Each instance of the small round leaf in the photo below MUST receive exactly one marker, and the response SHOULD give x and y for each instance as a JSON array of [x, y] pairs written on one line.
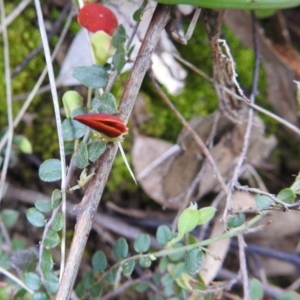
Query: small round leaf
[[263, 201], [142, 243], [120, 248], [35, 217], [236, 220], [94, 77], [50, 170], [163, 235], [128, 267], [95, 150], [51, 282], [43, 206], [99, 261], [145, 262], [47, 262], [52, 239], [81, 158], [256, 289], [32, 280], [194, 260], [9, 217]]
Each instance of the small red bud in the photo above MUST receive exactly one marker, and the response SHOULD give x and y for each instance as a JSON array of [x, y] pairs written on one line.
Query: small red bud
[[95, 17], [109, 125]]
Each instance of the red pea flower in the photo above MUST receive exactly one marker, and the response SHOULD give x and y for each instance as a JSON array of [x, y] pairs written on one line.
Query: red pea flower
[[95, 17], [109, 125]]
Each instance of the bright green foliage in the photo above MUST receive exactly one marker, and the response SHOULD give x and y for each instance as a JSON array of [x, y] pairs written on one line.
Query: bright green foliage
[[205, 214], [188, 220], [71, 101]]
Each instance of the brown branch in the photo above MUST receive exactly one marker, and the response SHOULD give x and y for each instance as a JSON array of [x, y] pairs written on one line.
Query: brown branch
[[88, 207]]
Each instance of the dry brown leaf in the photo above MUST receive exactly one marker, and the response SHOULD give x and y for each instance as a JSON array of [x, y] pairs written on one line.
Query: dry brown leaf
[[229, 138], [145, 150]]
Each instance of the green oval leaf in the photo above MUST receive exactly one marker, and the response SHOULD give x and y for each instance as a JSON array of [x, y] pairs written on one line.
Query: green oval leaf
[[111, 276], [206, 214], [9, 217], [96, 290], [52, 239], [32, 280], [163, 235], [120, 248], [145, 262], [71, 101], [56, 198], [107, 104], [39, 296], [119, 37], [94, 77], [35, 217], [256, 289], [142, 243], [88, 279], [194, 260], [51, 282], [188, 220], [287, 196], [128, 267], [47, 261], [50, 170], [81, 159], [236, 220], [95, 150], [43, 206], [58, 223], [263, 201], [72, 130], [99, 261]]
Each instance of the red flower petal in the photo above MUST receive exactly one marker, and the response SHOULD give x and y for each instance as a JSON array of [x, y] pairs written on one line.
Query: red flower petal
[[109, 125], [95, 17]]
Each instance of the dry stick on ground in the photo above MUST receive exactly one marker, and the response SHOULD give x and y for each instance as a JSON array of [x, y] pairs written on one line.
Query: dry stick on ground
[[87, 209]]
